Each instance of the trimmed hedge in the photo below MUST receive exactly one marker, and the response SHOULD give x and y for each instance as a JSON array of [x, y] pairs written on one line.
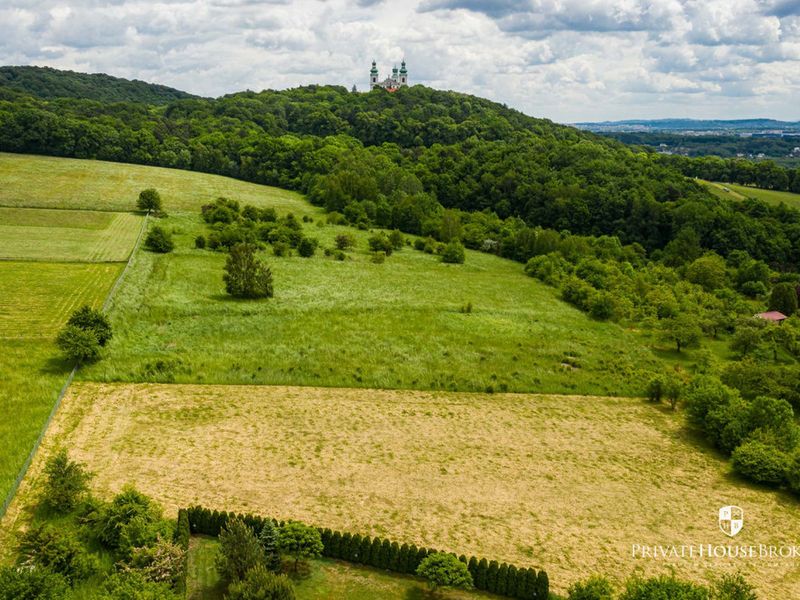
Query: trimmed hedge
[[501, 579]]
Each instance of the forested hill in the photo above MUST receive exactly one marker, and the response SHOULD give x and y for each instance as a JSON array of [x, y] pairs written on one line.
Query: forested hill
[[399, 160], [48, 83]]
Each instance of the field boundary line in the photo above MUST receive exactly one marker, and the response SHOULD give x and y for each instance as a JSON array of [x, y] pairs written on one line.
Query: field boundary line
[[26, 465]]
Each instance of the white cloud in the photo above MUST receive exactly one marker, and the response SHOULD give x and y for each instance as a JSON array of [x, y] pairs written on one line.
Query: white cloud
[[563, 59]]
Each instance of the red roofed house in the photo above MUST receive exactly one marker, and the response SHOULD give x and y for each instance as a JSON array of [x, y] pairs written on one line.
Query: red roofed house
[[774, 316]]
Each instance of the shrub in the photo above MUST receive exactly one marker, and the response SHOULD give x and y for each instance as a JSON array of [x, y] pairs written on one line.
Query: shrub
[[245, 275], [602, 306], [345, 241], [397, 240], [281, 249], [162, 561], [128, 521], [378, 258], [663, 587], [299, 541], [444, 571], [133, 585], [419, 244], [239, 550], [48, 547], [159, 240], [89, 319], [761, 462], [261, 584], [78, 344], [307, 247], [200, 242], [453, 253], [732, 587], [783, 298], [380, 243], [31, 584], [594, 588], [149, 200], [655, 389], [65, 483]]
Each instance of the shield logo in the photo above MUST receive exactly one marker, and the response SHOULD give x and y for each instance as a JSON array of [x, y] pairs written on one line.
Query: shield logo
[[731, 520]]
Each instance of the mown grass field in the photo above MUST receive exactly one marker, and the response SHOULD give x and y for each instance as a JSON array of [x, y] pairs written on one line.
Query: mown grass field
[[562, 483], [35, 301], [321, 580], [48, 182], [731, 191], [67, 235]]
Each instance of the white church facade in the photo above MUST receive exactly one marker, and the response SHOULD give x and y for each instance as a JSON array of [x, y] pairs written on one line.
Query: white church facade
[[390, 84]]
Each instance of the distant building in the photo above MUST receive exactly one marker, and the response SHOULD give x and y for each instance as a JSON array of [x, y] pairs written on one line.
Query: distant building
[[390, 84], [773, 316]]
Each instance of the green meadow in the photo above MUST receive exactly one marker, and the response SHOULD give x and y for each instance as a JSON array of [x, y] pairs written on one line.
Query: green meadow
[[732, 191], [35, 300]]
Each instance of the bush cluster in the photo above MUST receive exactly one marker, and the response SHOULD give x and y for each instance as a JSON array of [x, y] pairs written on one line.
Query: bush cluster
[[86, 331], [491, 576]]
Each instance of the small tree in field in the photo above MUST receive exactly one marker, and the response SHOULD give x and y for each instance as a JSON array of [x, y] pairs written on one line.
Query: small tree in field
[[444, 571], [269, 542], [79, 345], [239, 550], [89, 319], [784, 298], [453, 253], [682, 331], [149, 200], [66, 482], [245, 275], [299, 541], [159, 240]]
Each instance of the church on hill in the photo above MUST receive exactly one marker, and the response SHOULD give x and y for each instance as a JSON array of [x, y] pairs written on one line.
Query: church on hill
[[390, 84]]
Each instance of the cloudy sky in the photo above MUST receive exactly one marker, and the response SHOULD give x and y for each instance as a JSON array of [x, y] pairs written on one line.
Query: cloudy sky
[[568, 60]]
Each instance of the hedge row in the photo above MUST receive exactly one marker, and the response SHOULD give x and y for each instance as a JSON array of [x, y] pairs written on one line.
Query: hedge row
[[491, 576], [182, 535]]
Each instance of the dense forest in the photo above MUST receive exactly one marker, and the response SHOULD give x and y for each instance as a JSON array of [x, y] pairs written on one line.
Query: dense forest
[[48, 83]]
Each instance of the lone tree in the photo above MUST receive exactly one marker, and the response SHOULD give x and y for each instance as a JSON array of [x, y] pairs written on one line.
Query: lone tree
[[79, 345], [159, 240], [89, 319], [149, 200], [299, 541], [239, 550], [66, 482], [269, 542], [245, 275], [444, 571]]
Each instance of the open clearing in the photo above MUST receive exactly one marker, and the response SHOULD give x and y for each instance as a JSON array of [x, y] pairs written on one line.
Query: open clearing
[[732, 191], [563, 483], [48, 182], [67, 235]]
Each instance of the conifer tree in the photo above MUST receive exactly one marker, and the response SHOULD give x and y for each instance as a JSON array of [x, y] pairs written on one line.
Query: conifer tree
[[531, 585], [511, 581], [386, 549], [394, 557], [336, 542], [268, 538], [402, 559], [480, 574], [364, 550], [542, 585], [375, 552], [491, 576], [502, 580], [344, 546], [411, 561]]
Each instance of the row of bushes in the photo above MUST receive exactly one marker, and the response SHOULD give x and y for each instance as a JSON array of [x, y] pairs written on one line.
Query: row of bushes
[[491, 576]]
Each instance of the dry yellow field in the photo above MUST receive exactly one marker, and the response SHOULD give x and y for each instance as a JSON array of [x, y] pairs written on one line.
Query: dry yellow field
[[563, 483]]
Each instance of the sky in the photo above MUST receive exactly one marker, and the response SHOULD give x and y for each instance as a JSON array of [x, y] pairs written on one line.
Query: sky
[[567, 60]]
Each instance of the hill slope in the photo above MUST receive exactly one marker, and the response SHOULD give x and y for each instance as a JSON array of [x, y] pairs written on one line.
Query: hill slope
[[48, 83]]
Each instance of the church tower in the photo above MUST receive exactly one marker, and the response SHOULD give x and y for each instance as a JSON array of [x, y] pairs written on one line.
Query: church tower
[[403, 74], [373, 76]]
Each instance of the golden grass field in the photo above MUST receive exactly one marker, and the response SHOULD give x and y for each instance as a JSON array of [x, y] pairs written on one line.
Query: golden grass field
[[563, 483]]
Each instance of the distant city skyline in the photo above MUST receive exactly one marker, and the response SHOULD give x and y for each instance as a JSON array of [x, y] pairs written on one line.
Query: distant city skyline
[[567, 60]]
